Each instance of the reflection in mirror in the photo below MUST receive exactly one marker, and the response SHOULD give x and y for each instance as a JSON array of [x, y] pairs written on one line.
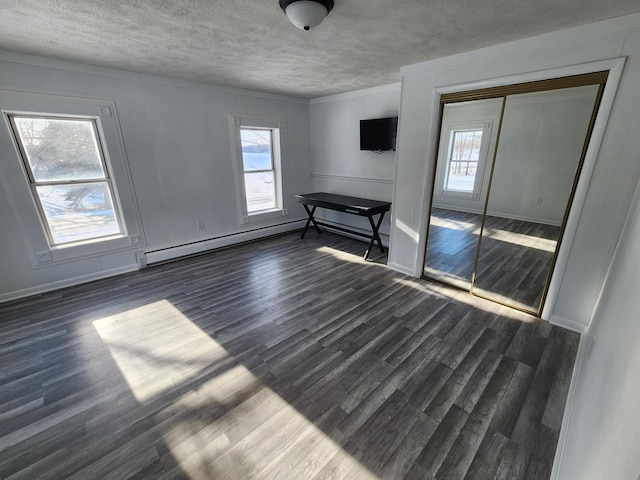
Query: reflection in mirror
[[536, 163], [515, 257], [467, 141]]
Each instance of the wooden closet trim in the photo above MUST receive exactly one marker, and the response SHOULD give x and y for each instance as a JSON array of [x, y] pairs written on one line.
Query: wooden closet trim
[[594, 78]]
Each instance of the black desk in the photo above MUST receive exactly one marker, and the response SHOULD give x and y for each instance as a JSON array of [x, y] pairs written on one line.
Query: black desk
[[342, 203]]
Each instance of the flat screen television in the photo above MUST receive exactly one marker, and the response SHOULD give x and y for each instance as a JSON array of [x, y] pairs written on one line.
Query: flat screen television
[[378, 134]]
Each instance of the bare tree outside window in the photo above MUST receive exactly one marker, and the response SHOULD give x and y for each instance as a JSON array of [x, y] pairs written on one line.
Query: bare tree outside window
[[68, 175], [463, 160]]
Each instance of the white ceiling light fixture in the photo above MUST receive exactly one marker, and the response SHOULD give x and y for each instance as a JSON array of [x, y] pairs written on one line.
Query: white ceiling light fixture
[[306, 14]]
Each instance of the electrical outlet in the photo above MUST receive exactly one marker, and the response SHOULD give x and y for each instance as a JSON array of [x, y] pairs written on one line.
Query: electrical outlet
[[200, 224]]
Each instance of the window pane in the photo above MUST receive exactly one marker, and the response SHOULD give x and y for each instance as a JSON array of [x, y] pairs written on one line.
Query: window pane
[[59, 150], [463, 163], [256, 149], [78, 212], [261, 191]]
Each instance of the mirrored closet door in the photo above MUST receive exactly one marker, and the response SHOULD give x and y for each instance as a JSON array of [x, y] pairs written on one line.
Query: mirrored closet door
[[507, 165]]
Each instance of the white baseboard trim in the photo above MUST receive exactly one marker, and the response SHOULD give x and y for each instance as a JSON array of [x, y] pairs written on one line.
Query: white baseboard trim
[[67, 282], [568, 412], [401, 269], [568, 324], [542, 221], [172, 253]]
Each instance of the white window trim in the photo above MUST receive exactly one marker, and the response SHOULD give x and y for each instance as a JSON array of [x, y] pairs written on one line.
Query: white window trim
[[24, 205], [274, 147], [444, 153], [280, 160], [34, 182]]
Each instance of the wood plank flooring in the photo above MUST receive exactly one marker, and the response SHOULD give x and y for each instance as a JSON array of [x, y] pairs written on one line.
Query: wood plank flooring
[[280, 359], [514, 262]]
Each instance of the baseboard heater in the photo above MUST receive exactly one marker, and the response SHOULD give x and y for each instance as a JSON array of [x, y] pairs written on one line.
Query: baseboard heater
[[154, 257]]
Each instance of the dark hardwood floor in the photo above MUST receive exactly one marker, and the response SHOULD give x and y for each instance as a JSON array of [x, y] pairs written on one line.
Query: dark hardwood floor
[[280, 359], [514, 261]]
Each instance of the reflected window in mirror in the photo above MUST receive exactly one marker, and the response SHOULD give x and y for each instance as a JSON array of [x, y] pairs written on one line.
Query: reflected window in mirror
[[462, 161], [463, 158]]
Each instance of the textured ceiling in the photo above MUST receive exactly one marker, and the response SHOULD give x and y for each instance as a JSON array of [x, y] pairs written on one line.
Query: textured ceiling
[[251, 44]]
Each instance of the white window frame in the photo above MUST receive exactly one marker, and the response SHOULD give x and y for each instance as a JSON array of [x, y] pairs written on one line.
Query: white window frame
[[16, 181], [274, 151], [445, 152], [278, 127], [35, 183]]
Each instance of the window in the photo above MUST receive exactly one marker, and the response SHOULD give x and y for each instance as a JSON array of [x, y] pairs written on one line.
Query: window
[[462, 159], [462, 165], [259, 154], [69, 178], [259, 170]]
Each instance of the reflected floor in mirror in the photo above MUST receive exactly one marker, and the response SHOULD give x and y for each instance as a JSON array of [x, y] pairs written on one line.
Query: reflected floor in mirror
[[278, 359], [514, 260], [452, 246]]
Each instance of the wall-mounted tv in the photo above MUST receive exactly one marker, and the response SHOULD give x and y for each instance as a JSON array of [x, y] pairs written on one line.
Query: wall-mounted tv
[[378, 134]]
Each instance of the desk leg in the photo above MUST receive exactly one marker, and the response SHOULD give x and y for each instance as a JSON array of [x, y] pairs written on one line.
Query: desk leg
[[309, 220], [375, 237]]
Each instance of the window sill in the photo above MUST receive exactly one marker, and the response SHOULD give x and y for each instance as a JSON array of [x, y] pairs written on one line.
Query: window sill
[[87, 249], [264, 215], [459, 194]]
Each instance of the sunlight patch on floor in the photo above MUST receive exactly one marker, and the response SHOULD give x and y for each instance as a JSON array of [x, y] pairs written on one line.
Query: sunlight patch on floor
[[429, 288], [521, 239], [453, 224], [529, 241], [264, 437], [223, 422], [463, 296], [344, 256], [458, 281], [154, 344]]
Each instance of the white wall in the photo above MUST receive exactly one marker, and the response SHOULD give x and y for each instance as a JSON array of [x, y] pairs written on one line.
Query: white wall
[[177, 142], [541, 142], [601, 429], [614, 176], [338, 165]]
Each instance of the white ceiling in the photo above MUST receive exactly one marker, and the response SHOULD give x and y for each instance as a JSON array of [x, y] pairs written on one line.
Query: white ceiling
[[251, 44]]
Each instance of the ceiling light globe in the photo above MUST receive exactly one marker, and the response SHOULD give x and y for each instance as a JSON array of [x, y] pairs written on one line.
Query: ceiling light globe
[[306, 14]]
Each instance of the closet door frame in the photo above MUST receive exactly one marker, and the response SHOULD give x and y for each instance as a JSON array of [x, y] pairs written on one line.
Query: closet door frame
[[607, 73]]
